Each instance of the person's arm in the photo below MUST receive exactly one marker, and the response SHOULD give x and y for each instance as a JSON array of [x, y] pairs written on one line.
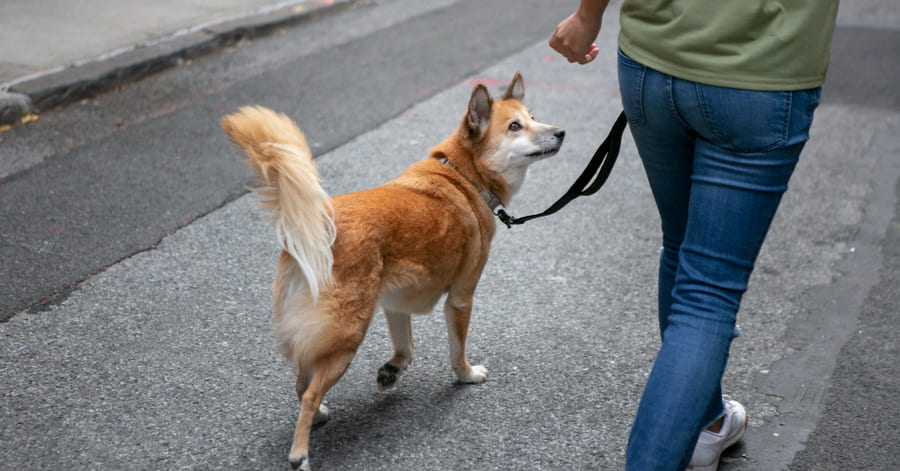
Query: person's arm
[[574, 37]]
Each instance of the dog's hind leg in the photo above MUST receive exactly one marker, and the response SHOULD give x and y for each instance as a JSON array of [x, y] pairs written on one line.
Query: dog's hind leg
[[327, 372], [457, 312], [322, 413], [400, 326]]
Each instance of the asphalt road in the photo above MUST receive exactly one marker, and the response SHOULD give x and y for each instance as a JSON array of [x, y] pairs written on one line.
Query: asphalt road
[[136, 269]]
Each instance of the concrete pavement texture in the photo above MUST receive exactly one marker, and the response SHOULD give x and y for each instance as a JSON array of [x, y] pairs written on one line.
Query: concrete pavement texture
[[67, 51], [164, 359]]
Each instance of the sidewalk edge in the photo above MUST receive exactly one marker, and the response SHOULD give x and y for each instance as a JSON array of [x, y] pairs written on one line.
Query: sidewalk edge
[[111, 70]]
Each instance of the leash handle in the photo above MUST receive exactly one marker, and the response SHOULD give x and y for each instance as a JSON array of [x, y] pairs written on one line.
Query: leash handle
[[600, 166]]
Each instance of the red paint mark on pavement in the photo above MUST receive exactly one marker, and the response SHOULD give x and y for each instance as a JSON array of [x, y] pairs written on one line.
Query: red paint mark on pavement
[[165, 111], [503, 83], [489, 82], [425, 92], [169, 229], [58, 229], [60, 296]]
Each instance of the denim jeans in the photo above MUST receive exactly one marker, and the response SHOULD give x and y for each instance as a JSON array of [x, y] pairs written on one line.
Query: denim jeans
[[718, 161]]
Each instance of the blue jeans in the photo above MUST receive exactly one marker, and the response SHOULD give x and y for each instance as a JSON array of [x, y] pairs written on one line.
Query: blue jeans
[[718, 161]]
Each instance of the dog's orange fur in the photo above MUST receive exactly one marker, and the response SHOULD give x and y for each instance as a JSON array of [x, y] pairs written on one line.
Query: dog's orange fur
[[401, 245]]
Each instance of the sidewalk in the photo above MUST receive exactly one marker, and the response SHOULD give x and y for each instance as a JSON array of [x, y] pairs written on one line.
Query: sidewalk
[[53, 56]]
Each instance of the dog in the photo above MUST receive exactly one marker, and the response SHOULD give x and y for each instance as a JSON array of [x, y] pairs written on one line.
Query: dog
[[402, 245]]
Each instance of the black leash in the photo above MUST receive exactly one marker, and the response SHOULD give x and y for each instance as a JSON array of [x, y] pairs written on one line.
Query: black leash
[[601, 165]]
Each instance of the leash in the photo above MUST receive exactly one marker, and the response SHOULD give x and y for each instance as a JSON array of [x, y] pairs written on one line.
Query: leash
[[600, 166]]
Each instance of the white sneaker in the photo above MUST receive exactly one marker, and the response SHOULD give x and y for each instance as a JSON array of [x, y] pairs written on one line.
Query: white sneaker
[[711, 445]]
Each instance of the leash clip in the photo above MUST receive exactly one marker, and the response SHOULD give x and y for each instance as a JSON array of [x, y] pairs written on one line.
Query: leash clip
[[505, 218]]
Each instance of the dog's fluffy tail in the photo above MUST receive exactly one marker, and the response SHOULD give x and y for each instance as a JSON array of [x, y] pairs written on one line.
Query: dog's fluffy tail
[[278, 154]]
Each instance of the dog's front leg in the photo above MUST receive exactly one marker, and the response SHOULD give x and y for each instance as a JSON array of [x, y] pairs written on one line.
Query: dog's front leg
[[400, 326], [457, 312]]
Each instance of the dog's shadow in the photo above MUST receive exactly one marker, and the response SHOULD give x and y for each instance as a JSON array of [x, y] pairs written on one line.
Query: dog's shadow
[[377, 428]]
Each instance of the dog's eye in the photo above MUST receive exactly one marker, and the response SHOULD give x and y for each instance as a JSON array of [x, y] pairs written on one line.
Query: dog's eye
[[515, 126]]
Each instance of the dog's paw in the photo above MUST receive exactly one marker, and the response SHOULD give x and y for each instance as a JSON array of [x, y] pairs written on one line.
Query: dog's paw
[[388, 375], [322, 415], [475, 374], [300, 463]]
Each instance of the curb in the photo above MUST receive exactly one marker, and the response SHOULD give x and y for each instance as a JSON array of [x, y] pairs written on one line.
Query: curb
[[92, 78]]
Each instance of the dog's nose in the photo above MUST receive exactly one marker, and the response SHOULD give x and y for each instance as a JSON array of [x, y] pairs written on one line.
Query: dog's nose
[[560, 133]]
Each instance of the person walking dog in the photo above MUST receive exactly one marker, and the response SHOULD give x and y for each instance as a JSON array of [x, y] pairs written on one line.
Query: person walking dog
[[719, 96]]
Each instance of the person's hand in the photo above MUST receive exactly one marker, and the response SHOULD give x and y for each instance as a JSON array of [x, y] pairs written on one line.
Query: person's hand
[[574, 38]]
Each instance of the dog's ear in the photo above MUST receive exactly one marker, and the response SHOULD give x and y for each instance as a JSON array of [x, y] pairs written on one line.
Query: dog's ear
[[479, 115], [516, 89]]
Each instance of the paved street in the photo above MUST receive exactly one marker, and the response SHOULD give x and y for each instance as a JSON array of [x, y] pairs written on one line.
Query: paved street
[[135, 269]]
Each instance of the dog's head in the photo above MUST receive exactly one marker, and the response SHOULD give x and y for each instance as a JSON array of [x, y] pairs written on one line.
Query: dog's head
[[504, 136]]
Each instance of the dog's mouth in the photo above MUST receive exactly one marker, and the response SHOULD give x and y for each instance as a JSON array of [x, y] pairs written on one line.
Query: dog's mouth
[[549, 144], [544, 152]]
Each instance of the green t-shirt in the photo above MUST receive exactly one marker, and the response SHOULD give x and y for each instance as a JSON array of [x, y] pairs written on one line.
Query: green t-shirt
[[749, 44]]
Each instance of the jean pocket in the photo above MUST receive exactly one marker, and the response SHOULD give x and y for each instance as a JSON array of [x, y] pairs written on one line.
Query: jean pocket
[[745, 120], [631, 87]]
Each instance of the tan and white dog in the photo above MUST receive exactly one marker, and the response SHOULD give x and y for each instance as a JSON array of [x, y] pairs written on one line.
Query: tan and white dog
[[401, 245]]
